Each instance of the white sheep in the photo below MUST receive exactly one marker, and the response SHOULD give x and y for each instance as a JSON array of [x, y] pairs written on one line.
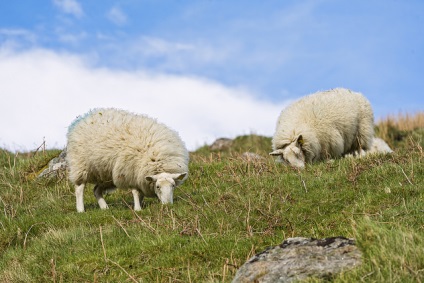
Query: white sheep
[[323, 125], [116, 149]]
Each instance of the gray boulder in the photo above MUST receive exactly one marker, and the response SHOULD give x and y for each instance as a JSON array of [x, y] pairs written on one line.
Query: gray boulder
[[56, 167], [299, 258]]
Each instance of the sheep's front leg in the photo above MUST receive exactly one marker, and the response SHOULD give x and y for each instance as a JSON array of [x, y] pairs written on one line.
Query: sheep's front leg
[[136, 194], [98, 193], [79, 194]]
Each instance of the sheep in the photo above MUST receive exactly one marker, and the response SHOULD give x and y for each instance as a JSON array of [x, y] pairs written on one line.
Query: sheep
[[323, 125], [113, 148]]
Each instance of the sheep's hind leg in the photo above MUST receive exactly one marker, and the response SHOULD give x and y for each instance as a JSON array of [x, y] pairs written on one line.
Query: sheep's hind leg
[[136, 194], [79, 194], [98, 193]]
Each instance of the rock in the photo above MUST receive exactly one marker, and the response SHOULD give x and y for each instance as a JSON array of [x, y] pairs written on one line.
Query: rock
[[221, 144], [300, 258], [56, 167]]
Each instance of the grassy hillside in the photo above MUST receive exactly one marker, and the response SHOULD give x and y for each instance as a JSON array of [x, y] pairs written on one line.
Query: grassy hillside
[[227, 210]]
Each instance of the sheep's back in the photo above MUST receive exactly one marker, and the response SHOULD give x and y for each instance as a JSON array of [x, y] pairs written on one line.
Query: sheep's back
[[323, 108]]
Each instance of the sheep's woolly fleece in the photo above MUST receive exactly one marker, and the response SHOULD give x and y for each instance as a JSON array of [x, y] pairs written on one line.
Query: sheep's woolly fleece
[[323, 125], [110, 146]]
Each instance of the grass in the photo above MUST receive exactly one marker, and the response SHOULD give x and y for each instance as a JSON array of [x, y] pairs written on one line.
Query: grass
[[394, 129], [227, 210]]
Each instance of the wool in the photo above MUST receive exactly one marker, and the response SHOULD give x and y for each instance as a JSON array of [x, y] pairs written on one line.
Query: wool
[[323, 125], [115, 148]]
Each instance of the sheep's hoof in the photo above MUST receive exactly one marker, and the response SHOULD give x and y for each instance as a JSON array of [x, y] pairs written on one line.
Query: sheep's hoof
[[102, 204]]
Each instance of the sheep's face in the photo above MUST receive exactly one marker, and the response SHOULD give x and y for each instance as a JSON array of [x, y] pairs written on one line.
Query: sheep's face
[[291, 153], [164, 185]]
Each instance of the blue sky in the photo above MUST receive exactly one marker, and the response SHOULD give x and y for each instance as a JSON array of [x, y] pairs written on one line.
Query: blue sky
[[208, 68]]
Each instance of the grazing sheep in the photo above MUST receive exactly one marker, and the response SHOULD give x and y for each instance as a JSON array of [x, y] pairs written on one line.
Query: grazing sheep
[[116, 149], [323, 125]]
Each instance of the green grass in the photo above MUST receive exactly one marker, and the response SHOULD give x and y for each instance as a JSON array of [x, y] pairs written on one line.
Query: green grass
[[225, 212]]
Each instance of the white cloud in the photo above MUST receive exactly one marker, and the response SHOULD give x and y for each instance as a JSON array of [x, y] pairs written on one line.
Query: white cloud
[[16, 32], [73, 39], [42, 92], [159, 46], [70, 7], [16, 37], [116, 16], [192, 56]]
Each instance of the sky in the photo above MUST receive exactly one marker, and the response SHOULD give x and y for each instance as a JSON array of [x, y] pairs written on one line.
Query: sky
[[206, 68]]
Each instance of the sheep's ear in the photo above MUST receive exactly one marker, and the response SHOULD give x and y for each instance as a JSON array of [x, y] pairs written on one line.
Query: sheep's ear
[[300, 140], [276, 152], [180, 177], [150, 178]]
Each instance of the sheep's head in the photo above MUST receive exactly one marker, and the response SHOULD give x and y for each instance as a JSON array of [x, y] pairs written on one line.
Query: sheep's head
[[164, 185], [291, 153]]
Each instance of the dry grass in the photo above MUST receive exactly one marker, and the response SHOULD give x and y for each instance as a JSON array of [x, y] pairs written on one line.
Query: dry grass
[[401, 122], [394, 128]]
